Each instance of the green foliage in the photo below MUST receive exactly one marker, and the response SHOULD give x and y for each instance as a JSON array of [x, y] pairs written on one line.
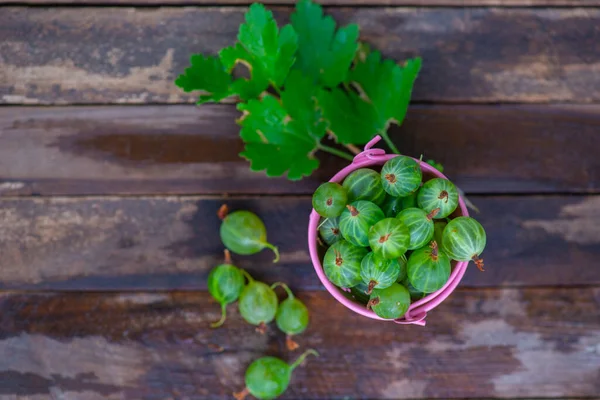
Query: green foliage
[[324, 54], [381, 97], [208, 75], [270, 49], [304, 80]]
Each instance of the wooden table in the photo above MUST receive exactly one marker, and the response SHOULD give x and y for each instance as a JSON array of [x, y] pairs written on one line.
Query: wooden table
[[110, 180]]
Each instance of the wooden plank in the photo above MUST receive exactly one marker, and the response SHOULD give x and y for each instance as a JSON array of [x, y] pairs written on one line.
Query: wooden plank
[[128, 55], [189, 150], [172, 243], [479, 343], [418, 3]]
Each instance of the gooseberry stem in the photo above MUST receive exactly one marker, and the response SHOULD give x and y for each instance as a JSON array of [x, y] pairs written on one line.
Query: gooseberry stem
[[303, 357], [372, 302], [290, 343], [433, 213], [223, 211], [223, 317], [247, 275], [371, 286], [321, 224], [335, 152], [227, 256], [241, 395], [478, 262], [274, 249], [434, 250], [285, 287], [353, 210]]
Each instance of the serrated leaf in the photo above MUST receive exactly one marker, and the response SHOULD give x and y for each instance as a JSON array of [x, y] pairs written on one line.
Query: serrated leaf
[[349, 117], [323, 54], [386, 85], [283, 136], [299, 99], [206, 74], [269, 48], [245, 88], [383, 90]]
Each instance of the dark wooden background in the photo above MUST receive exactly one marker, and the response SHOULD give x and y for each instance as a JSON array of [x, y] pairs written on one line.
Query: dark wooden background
[[110, 179]]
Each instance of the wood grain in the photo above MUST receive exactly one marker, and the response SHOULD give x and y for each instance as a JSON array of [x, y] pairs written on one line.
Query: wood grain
[[418, 3], [190, 150], [371, 3], [479, 343], [128, 55], [172, 243]]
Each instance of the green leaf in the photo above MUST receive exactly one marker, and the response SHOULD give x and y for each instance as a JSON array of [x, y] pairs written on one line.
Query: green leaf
[[245, 88], [383, 90], [283, 136], [299, 99], [323, 54], [348, 115], [270, 49], [386, 85], [206, 74]]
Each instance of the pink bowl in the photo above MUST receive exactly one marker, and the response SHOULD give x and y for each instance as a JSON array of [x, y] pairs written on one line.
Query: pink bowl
[[418, 310]]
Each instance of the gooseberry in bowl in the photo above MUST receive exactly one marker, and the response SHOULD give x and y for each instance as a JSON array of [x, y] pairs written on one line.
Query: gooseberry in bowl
[[419, 207]]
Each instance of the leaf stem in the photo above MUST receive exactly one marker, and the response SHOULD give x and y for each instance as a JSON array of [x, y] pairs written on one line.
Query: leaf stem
[[353, 149], [389, 142], [335, 152]]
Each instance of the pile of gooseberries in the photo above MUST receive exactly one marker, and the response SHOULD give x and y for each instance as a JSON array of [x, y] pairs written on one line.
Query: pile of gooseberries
[[243, 232], [390, 236]]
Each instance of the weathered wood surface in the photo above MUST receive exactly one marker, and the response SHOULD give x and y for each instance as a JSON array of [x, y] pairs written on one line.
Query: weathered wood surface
[[419, 3], [479, 343], [190, 150], [172, 243], [128, 55]]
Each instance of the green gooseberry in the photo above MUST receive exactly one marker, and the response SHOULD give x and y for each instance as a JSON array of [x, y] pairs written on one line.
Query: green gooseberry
[[438, 230], [357, 219], [408, 201], [225, 284], [428, 268], [438, 193], [364, 184], [329, 229], [268, 377], [359, 294], [341, 263], [378, 272], [415, 295], [391, 302], [292, 316], [391, 206], [389, 238], [464, 239], [419, 224], [401, 176], [258, 303], [330, 199], [402, 261], [243, 232]]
